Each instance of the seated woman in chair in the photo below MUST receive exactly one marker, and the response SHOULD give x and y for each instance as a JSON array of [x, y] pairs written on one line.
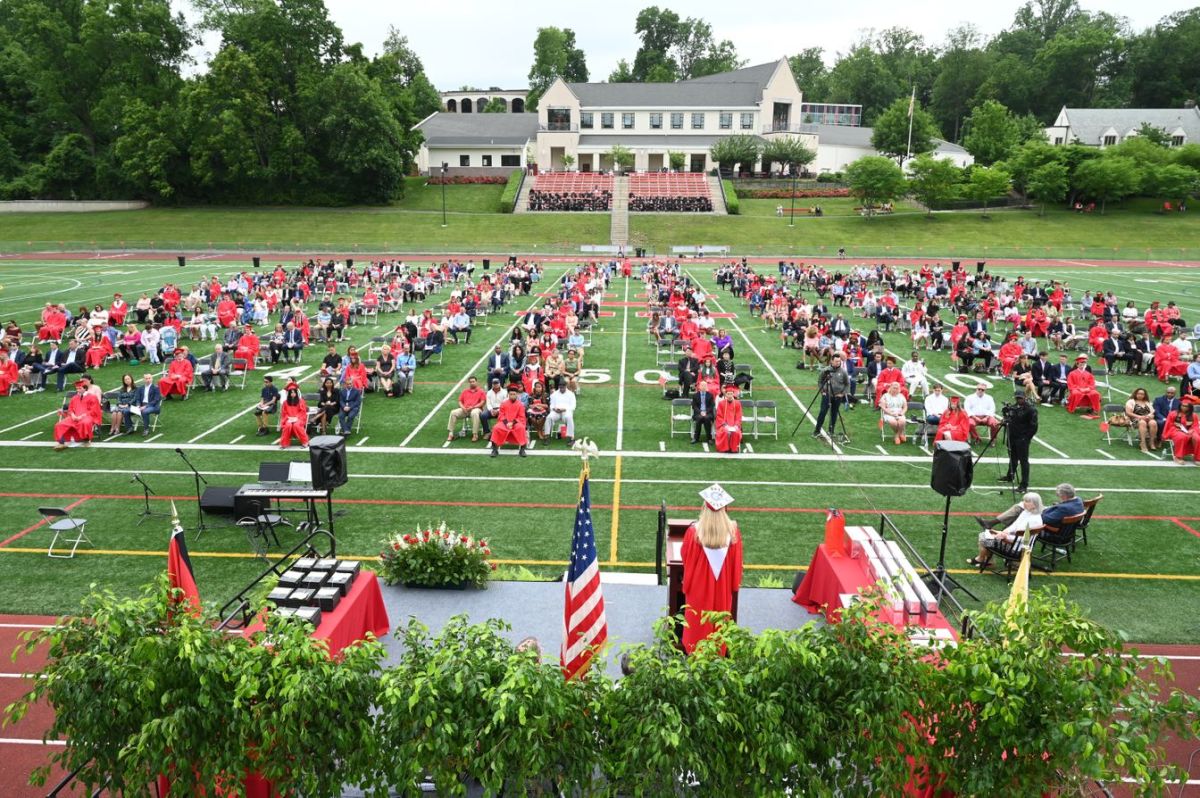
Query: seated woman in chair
[[892, 406], [1140, 412], [124, 401], [1029, 518], [328, 405]]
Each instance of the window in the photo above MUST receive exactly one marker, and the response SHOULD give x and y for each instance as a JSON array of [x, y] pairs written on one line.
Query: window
[[510, 160], [676, 121], [558, 119], [627, 121], [656, 121], [1110, 141], [585, 120], [698, 121], [1176, 141], [464, 160], [726, 120], [487, 160], [1057, 141], [747, 121]]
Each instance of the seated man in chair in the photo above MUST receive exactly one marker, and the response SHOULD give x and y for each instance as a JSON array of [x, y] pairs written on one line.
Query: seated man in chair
[[1068, 504]]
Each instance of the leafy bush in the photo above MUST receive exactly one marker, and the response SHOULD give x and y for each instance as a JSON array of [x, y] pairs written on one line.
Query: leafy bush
[[731, 197], [508, 197], [831, 177], [435, 557], [800, 193]]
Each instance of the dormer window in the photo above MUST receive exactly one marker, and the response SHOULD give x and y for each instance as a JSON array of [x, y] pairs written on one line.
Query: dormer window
[[1109, 141]]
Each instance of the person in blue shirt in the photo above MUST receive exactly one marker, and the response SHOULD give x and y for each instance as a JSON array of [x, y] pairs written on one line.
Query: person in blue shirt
[[1068, 504]]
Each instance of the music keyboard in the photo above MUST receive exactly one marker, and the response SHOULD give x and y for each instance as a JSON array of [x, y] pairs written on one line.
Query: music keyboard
[[258, 490]]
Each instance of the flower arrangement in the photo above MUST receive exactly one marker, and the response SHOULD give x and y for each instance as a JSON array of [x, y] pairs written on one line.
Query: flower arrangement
[[783, 193], [435, 556], [467, 180]]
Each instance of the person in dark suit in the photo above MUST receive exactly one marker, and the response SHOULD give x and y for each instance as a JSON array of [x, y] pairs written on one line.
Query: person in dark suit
[[293, 342], [498, 365], [350, 400], [1059, 373], [977, 325], [70, 361], [1043, 376], [1117, 349], [1145, 348], [219, 366], [704, 405], [840, 327], [148, 402], [1164, 404], [689, 367]]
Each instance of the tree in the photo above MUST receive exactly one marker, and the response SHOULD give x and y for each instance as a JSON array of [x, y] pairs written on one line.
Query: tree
[[622, 157], [875, 180], [987, 183], [933, 181], [1148, 132], [1107, 178], [658, 29], [568, 161], [495, 106], [788, 151], [1048, 183], [731, 151], [622, 74], [1162, 62], [1029, 157], [961, 71], [1171, 181], [674, 48], [555, 55], [861, 77], [811, 74], [676, 160], [1188, 155], [890, 134], [991, 133]]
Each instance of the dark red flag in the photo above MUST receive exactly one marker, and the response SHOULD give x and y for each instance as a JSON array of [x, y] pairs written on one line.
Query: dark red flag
[[179, 567]]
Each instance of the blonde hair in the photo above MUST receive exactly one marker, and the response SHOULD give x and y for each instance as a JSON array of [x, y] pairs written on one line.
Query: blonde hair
[[715, 528]]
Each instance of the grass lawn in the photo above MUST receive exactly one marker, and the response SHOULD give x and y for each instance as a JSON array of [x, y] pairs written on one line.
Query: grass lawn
[[831, 206], [468, 198], [1139, 573]]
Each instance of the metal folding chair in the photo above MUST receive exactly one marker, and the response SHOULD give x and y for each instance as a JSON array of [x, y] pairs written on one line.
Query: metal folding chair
[[62, 524]]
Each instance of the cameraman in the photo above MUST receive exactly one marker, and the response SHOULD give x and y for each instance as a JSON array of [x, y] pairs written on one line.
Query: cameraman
[[833, 384], [1021, 418]]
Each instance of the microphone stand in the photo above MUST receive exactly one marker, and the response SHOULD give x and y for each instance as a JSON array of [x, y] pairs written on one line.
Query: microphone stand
[[200, 527], [147, 492]]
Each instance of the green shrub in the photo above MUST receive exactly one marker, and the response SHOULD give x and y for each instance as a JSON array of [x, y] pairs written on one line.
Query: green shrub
[[731, 198], [508, 197]]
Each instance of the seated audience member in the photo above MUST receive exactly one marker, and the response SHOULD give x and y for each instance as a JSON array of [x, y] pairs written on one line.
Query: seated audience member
[[460, 323], [328, 404], [121, 404], [916, 376], [1116, 350], [510, 424], [349, 405], [77, 421], [331, 364], [555, 370], [433, 345], [31, 370], [704, 409], [293, 343], [385, 371], [498, 365], [406, 368], [9, 373], [353, 367], [268, 405], [1182, 432], [936, 404], [1029, 518], [178, 379], [1068, 504], [274, 344], [537, 407], [147, 403], [1140, 412], [981, 410], [293, 418], [248, 346], [954, 424], [892, 406], [727, 423], [562, 412], [471, 403], [1081, 389], [1164, 405], [216, 374], [495, 397], [1022, 376]]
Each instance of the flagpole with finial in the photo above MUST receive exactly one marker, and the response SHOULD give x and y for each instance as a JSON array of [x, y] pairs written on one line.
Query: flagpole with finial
[[587, 448], [912, 103]]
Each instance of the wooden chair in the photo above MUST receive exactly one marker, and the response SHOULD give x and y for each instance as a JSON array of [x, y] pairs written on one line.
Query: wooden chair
[[1010, 553], [1060, 540], [1089, 507]]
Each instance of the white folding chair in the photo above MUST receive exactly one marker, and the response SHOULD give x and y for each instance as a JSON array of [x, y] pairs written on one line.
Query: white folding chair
[[60, 522]]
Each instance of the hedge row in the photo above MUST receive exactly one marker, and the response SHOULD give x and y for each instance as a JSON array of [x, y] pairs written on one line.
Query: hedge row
[[731, 197], [775, 193], [508, 197]]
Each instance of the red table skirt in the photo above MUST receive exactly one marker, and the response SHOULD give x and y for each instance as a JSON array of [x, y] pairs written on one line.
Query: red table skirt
[[828, 576], [360, 611]]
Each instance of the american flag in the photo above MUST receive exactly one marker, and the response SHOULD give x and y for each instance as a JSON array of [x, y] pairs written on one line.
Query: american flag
[[585, 628]]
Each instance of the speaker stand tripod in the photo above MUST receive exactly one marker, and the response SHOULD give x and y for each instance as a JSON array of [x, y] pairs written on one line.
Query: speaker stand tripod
[[938, 581]]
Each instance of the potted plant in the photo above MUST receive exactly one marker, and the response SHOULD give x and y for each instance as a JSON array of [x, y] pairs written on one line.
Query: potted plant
[[437, 557]]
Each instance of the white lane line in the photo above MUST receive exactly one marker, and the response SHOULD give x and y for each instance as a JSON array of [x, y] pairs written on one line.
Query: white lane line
[[705, 445], [457, 388], [792, 446], [31, 435], [30, 421], [1058, 452], [1155, 455], [1106, 454], [782, 383], [304, 376], [621, 376], [154, 438], [662, 446], [364, 440], [748, 448], [238, 438], [882, 450], [22, 741]]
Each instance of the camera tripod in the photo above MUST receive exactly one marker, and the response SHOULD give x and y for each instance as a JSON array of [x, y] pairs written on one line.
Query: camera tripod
[[843, 436]]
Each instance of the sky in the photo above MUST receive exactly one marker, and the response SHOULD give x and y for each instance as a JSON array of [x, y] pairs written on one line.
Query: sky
[[487, 43]]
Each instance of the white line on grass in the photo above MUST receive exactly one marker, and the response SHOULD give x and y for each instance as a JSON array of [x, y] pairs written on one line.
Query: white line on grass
[[749, 448], [364, 440], [238, 438], [750, 343], [621, 377], [1106, 454], [458, 385], [705, 445], [31, 435], [882, 450], [792, 446], [305, 375], [30, 421], [662, 446], [1060, 453]]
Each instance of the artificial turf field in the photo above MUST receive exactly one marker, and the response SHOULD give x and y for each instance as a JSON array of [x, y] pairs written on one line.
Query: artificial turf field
[[1139, 574]]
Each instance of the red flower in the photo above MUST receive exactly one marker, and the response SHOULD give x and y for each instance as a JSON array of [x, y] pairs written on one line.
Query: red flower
[[396, 546], [462, 538]]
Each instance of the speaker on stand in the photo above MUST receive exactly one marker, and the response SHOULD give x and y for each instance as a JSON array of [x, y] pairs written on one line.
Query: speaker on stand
[[182, 261], [257, 261], [953, 471], [327, 459]]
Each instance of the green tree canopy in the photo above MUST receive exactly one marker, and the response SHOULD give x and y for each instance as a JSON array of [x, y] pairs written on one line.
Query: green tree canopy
[[987, 183], [732, 151], [674, 48], [1048, 183], [1170, 181], [890, 134], [811, 74], [875, 180], [787, 150], [934, 181], [1108, 178], [991, 133], [555, 55]]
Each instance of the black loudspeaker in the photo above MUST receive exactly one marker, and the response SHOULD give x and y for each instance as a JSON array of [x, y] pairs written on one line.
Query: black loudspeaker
[[512, 260], [257, 261], [182, 261], [980, 266], [953, 468], [327, 455], [487, 263], [218, 500], [782, 264], [349, 263], [955, 265]]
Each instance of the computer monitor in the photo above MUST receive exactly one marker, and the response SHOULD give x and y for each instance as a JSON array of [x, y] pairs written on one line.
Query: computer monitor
[[273, 472]]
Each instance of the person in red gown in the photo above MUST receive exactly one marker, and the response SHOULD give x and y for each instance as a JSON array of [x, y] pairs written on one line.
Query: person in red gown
[[8, 373], [355, 369], [248, 346], [510, 426], [887, 375], [179, 376], [53, 323], [1081, 389], [293, 417], [77, 422], [712, 565], [117, 311], [955, 424], [727, 427], [1009, 354], [227, 312], [1182, 431], [99, 348]]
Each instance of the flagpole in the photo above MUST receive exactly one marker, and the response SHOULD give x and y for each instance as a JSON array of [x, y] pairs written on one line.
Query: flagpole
[[911, 105]]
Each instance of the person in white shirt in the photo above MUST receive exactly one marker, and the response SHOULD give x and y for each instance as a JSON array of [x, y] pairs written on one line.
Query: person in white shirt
[[1184, 346], [935, 404], [1030, 518], [492, 401], [150, 339], [562, 411], [916, 376], [981, 410]]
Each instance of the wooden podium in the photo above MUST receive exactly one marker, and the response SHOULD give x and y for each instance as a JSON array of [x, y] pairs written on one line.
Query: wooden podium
[[676, 529]]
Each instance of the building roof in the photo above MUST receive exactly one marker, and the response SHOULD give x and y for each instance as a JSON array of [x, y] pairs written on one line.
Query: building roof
[[451, 130], [1089, 124], [653, 140], [853, 136], [739, 88]]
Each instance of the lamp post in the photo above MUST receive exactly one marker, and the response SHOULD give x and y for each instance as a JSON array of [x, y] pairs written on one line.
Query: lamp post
[[445, 168], [792, 215]]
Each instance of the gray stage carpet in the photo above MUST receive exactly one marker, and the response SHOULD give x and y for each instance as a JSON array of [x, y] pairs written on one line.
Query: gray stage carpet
[[535, 609]]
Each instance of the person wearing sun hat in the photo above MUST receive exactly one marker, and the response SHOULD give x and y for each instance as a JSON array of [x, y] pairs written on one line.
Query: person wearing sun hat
[[712, 565], [728, 422], [77, 422], [1081, 389]]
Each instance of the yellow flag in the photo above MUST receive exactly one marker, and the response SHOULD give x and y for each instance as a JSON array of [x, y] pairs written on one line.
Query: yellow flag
[[1019, 596]]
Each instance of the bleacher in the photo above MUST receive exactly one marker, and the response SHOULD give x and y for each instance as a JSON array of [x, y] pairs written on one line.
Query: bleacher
[[571, 191], [683, 192]]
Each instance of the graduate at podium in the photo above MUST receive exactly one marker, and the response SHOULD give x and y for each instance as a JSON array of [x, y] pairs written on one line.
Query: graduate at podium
[[712, 565]]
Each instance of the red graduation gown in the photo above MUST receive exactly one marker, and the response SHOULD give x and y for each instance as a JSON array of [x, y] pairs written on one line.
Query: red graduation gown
[[80, 419], [511, 425], [702, 591], [729, 414], [178, 379]]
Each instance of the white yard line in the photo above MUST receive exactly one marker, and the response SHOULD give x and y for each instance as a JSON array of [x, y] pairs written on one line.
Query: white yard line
[[31, 435], [621, 374], [364, 440], [662, 446], [782, 383], [153, 438], [30, 421], [238, 438], [882, 450], [792, 446], [1058, 452], [227, 421], [1105, 454], [482, 359]]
